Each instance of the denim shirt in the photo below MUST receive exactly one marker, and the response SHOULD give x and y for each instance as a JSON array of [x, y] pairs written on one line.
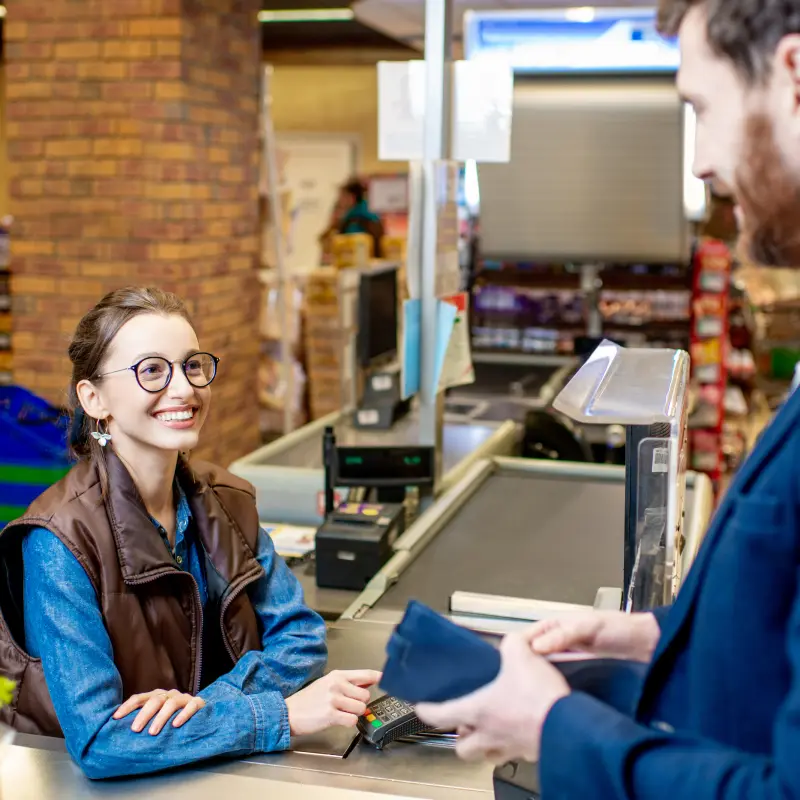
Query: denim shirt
[[245, 710]]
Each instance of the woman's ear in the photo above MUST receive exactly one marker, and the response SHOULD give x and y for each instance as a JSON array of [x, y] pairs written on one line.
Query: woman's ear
[[89, 398]]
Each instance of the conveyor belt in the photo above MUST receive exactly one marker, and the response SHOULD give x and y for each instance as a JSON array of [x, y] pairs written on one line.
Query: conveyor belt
[[522, 536]]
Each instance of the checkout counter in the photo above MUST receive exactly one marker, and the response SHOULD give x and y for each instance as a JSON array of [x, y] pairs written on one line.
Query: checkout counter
[[332, 766], [289, 476]]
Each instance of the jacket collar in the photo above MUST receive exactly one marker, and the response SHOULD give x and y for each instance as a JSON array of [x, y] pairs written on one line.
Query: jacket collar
[[142, 554]]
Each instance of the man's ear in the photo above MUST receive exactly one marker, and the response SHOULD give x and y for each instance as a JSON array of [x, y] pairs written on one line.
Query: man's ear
[[89, 397]]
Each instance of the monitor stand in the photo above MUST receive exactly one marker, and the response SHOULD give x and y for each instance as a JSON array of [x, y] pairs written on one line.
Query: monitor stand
[[381, 403]]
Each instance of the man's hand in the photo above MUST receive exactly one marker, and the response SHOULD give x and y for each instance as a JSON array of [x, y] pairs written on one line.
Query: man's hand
[[503, 721], [162, 705], [605, 634]]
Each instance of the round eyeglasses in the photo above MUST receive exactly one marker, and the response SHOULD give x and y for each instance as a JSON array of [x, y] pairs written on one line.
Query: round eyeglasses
[[154, 373]]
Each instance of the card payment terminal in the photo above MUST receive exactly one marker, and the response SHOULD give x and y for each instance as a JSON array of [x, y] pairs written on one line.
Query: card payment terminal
[[387, 720]]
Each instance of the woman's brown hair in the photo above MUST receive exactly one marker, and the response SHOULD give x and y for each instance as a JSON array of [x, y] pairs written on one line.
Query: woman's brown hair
[[90, 345]]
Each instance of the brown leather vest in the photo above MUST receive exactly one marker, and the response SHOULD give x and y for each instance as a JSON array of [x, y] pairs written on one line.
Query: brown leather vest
[[151, 608]]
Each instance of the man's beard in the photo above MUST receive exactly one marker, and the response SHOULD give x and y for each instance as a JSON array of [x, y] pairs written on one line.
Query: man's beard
[[769, 198]]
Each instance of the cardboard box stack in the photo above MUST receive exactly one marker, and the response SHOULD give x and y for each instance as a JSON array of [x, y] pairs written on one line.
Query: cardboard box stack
[[331, 321]]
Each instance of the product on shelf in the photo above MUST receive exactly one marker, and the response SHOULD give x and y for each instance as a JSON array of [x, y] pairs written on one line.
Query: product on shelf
[[629, 307], [541, 308], [709, 358]]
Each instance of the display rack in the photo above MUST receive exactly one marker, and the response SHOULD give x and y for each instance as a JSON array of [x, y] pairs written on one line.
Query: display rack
[[5, 302], [539, 313], [709, 348]]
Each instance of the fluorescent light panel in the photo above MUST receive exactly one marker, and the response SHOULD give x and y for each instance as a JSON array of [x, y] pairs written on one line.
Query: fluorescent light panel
[[580, 14], [307, 15]]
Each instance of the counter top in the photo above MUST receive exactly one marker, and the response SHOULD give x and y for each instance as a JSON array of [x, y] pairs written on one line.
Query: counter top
[[38, 768]]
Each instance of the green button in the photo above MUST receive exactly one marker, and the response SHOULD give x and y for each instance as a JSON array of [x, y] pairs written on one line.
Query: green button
[[377, 724]]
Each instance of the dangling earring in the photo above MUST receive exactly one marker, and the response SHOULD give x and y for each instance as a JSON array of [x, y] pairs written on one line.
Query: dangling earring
[[103, 437]]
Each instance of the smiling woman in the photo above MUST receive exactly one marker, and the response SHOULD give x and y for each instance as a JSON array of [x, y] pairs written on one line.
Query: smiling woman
[[159, 625]]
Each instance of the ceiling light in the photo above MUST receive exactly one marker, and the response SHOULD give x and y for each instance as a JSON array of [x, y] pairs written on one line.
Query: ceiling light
[[307, 15], [580, 14], [2, 11]]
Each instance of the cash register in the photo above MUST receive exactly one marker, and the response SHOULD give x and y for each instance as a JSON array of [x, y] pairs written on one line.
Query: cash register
[[356, 537]]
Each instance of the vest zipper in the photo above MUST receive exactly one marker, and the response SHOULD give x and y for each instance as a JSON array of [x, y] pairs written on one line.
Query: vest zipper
[[226, 604], [198, 618], [198, 668]]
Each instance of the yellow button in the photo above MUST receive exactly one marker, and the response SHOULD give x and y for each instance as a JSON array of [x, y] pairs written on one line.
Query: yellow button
[[371, 512], [370, 717]]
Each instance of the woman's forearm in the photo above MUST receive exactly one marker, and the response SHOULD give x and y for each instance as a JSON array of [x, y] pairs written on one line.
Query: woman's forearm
[[230, 724]]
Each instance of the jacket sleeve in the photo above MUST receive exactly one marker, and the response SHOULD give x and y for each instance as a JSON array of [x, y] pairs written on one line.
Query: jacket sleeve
[[64, 627], [590, 750], [293, 637]]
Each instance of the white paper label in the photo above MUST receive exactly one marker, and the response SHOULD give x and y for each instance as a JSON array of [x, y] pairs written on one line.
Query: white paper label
[[661, 459], [368, 416]]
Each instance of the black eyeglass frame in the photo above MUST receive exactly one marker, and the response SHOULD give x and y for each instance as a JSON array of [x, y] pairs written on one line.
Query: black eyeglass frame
[[134, 368]]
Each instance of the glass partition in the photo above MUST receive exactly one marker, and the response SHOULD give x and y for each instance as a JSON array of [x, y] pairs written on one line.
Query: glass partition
[[646, 391]]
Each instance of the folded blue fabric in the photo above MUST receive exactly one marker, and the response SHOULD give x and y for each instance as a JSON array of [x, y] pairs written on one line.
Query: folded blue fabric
[[432, 660]]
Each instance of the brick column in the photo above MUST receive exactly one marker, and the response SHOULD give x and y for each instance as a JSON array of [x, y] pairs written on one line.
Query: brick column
[[133, 154]]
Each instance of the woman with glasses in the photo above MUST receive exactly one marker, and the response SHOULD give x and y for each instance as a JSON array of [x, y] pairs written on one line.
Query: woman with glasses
[[145, 614]]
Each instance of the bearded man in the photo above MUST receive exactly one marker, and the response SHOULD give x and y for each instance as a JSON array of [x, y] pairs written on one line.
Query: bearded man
[[716, 711]]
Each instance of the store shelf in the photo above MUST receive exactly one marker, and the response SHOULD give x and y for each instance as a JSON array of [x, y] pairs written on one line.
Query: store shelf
[[522, 359]]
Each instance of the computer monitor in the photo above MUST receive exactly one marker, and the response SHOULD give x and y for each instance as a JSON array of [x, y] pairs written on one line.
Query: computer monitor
[[377, 316]]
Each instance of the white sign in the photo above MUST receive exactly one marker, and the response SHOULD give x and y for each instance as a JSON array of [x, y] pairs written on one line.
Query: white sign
[[483, 96], [401, 110], [481, 119]]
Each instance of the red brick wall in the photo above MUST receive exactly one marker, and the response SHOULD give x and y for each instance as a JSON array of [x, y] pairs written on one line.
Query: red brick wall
[[132, 136]]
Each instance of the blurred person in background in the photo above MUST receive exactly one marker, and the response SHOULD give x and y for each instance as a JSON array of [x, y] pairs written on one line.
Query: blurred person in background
[[352, 214]]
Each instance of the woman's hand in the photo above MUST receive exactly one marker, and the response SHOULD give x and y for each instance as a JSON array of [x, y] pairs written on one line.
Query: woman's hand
[[161, 704], [611, 634], [339, 698]]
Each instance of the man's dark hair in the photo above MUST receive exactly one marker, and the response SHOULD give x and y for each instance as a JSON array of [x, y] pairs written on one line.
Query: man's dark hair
[[356, 190], [745, 31]]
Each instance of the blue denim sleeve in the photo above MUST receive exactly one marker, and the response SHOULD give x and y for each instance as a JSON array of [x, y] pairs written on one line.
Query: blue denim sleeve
[[293, 637], [64, 627]]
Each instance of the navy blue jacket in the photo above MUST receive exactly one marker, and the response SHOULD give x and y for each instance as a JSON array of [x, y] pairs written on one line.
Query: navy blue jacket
[[719, 711]]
